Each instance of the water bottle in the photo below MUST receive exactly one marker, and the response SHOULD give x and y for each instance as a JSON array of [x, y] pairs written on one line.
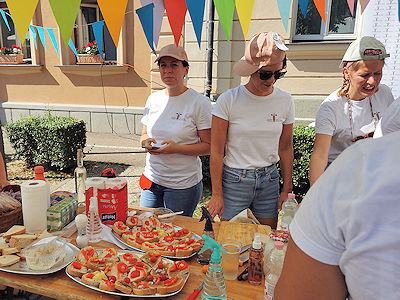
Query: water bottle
[[256, 261], [93, 229], [275, 261], [214, 284], [289, 208]]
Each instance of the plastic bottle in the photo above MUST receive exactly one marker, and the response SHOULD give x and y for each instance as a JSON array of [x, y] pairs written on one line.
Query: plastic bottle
[[214, 284], [39, 170], [289, 208], [275, 261], [204, 257], [256, 261], [93, 229], [80, 178]]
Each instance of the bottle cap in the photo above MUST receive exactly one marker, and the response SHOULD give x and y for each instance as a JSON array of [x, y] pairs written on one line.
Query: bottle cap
[[257, 241], [291, 195], [278, 245]]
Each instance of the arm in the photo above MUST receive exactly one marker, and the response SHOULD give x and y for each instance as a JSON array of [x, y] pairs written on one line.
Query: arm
[[304, 278], [285, 152], [219, 131], [145, 140], [319, 157]]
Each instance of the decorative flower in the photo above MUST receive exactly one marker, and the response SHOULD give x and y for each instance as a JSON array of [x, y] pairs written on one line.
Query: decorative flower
[[13, 50], [90, 48]]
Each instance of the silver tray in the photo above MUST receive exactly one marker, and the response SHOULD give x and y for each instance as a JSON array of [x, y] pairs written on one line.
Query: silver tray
[[194, 236], [22, 268], [77, 279]]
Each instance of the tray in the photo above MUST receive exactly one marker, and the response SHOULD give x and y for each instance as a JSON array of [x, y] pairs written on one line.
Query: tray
[[22, 268], [77, 279], [194, 236]]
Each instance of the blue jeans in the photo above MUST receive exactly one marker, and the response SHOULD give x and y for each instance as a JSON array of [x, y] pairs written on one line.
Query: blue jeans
[[257, 189], [174, 199]]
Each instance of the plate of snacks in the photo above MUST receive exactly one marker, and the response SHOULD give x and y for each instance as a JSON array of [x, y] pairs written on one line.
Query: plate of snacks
[[34, 254], [148, 233], [128, 273]]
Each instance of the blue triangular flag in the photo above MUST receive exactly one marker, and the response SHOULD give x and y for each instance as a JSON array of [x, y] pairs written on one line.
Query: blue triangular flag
[[33, 34], [3, 14], [196, 11], [303, 7], [145, 14], [98, 35], [72, 46], [41, 36], [284, 10], [50, 31]]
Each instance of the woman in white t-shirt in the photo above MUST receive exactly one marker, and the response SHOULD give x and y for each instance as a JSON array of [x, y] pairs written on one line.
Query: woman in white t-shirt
[[352, 112], [176, 130], [252, 129]]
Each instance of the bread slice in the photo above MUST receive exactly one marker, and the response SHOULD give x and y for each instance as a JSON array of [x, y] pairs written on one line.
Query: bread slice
[[8, 260], [16, 229], [167, 289], [123, 285], [22, 240], [10, 250]]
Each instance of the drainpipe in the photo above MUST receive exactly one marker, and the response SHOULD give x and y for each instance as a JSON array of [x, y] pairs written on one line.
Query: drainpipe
[[210, 45]]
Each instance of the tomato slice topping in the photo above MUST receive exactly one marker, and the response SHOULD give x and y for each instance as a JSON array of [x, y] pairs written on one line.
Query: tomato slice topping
[[153, 259], [170, 281], [127, 256], [163, 277], [190, 241], [177, 234], [139, 241], [150, 277], [160, 265], [135, 273], [185, 231], [140, 264], [112, 279], [127, 280], [90, 275], [182, 265], [122, 267], [147, 223]]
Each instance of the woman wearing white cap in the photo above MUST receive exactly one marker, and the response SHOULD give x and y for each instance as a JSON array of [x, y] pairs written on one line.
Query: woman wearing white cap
[[253, 124], [352, 112], [176, 130]]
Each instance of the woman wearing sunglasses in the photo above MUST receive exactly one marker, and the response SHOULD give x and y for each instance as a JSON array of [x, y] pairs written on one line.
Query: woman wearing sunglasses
[[352, 112], [252, 129]]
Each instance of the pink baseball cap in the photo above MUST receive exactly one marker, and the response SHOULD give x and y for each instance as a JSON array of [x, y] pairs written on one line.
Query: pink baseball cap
[[265, 48], [173, 51]]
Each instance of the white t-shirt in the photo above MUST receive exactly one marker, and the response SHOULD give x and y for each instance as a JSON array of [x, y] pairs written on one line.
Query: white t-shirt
[[391, 121], [333, 118], [350, 218], [177, 119], [255, 125]]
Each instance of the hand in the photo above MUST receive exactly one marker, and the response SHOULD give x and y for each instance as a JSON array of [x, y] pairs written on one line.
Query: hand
[[283, 196], [148, 143], [216, 206], [168, 147]]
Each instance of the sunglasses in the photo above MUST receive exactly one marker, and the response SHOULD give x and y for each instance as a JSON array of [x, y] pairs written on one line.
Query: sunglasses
[[361, 137], [265, 75]]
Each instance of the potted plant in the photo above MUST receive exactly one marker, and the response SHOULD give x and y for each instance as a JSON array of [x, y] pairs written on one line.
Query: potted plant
[[11, 55], [89, 54]]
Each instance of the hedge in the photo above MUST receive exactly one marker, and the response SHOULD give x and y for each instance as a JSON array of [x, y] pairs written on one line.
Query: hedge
[[49, 140]]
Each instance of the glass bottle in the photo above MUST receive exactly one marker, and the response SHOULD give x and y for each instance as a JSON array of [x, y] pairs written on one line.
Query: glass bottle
[[80, 178]]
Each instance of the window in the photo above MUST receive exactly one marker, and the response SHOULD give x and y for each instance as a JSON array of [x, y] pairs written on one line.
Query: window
[[9, 38], [89, 13], [340, 24]]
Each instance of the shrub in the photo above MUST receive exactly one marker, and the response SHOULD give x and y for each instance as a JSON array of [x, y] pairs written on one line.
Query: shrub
[[48, 140]]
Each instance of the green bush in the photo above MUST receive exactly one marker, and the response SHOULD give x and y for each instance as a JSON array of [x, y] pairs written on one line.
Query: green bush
[[48, 140]]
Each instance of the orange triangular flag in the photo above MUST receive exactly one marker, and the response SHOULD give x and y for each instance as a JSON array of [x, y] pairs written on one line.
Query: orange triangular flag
[[113, 12], [320, 5], [176, 11]]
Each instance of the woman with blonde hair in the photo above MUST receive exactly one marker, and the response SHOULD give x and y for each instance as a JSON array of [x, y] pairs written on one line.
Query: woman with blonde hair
[[352, 112]]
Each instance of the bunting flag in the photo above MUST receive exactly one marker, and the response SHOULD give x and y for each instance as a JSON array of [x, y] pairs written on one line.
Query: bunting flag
[[158, 14], [113, 12], [244, 9], [65, 13], [350, 3], [98, 35], [320, 5], [196, 11], [72, 46], [225, 10], [145, 14], [398, 7], [304, 5], [3, 14], [50, 31], [41, 36], [363, 4], [176, 11], [284, 10], [33, 35], [22, 12]]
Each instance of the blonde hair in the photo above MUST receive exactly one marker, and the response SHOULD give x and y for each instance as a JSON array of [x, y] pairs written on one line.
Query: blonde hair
[[346, 83]]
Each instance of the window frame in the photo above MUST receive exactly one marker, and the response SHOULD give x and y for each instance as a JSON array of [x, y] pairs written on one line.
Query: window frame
[[79, 33], [324, 28]]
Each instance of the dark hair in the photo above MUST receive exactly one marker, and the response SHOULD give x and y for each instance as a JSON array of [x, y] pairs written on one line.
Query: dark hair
[[284, 63], [184, 63]]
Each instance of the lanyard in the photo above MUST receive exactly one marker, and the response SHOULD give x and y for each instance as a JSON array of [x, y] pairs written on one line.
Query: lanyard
[[351, 114]]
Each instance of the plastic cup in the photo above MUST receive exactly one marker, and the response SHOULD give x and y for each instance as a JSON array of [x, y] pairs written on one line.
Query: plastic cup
[[230, 259]]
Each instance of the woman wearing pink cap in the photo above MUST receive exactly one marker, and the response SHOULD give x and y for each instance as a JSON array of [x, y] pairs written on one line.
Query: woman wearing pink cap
[[176, 130], [352, 112], [252, 129]]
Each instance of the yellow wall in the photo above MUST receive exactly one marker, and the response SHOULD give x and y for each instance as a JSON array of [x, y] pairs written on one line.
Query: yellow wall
[[54, 85]]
